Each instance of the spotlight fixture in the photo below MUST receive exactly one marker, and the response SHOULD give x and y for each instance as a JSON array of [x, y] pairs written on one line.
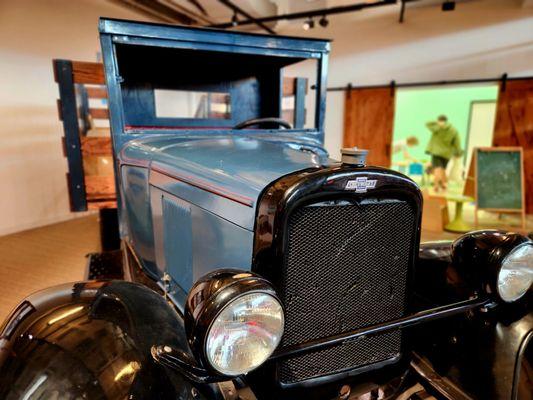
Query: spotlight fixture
[[234, 19], [308, 24], [324, 22], [448, 5]]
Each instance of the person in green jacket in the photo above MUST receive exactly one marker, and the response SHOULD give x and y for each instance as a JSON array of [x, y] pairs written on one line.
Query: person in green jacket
[[443, 145]]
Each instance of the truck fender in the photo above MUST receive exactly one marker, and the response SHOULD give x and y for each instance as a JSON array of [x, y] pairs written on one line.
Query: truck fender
[[496, 360], [488, 353], [92, 340]]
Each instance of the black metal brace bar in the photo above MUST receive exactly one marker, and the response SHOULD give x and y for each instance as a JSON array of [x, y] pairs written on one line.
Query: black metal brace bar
[[402, 12], [186, 364], [504, 82], [300, 86], [71, 129], [311, 13], [180, 361], [411, 320], [503, 79]]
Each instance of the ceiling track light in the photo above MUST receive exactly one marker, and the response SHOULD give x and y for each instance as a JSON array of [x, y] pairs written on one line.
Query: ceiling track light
[[448, 5], [308, 24], [324, 22], [234, 19]]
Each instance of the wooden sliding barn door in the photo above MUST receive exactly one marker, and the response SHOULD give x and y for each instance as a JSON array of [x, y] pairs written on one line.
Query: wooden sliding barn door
[[368, 122], [514, 126]]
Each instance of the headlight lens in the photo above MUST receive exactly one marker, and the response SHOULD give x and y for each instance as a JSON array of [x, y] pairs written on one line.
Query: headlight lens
[[516, 274], [245, 333]]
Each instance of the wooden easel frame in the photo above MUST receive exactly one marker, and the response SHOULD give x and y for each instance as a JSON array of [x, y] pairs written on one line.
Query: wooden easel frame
[[522, 210]]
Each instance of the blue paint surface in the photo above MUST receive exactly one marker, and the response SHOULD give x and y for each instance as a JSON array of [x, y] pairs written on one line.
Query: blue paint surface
[[236, 166], [188, 189], [177, 241]]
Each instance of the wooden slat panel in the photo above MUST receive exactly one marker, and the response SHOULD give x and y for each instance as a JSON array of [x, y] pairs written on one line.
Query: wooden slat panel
[[88, 72], [96, 92], [514, 127], [59, 109], [99, 187], [98, 165], [96, 146], [288, 86], [288, 115], [218, 115], [221, 98], [99, 113], [368, 122], [97, 205], [64, 146]]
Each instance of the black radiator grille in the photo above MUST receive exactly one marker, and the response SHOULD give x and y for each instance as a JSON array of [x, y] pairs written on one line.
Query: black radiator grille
[[346, 267]]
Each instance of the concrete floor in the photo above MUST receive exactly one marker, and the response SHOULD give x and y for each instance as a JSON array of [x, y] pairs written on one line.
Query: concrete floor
[[43, 257], [54, 254]]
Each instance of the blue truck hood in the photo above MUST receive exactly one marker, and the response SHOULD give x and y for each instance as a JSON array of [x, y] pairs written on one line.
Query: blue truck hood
[[235, 168]]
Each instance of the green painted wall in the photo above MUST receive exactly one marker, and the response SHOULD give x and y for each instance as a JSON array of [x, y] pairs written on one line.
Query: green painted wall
[[415, 107]]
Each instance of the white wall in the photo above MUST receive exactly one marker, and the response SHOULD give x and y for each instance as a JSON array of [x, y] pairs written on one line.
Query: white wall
[[33, 189], [482, 38]]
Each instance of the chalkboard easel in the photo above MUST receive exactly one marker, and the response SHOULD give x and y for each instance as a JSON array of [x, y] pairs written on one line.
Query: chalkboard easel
[[499, 181]]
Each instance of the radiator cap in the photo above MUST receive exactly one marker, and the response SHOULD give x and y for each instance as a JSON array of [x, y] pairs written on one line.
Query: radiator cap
[[353, 156]]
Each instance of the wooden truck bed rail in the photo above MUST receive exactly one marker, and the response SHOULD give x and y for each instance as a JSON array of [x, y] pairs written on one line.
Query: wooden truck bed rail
[[90, 177]]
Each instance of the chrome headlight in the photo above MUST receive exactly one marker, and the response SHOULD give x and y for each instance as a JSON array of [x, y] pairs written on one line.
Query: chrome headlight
[[234, 321], [497, 263], [516, 273], [244, 334]]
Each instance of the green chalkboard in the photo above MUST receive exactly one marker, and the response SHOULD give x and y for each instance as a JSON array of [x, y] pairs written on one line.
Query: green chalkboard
[[499, 179]]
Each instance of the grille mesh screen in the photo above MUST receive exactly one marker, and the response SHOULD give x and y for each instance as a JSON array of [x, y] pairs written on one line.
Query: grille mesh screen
[[345, 268]]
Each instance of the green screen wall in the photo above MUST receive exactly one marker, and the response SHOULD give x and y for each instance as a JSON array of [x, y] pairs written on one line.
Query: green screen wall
[[415, 107]]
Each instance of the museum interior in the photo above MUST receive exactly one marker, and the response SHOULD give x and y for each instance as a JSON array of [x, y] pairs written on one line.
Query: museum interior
[[436, 94]]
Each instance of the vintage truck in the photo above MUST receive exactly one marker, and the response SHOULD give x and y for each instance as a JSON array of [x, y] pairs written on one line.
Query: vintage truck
[[252, 264]]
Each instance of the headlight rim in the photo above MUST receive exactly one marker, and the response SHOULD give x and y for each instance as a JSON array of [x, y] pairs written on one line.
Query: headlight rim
[[206, 336], [477, 258], [209, 296], [500, 268]]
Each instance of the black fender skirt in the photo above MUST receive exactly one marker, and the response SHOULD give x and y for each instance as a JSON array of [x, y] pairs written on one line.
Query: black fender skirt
[[92, 340]]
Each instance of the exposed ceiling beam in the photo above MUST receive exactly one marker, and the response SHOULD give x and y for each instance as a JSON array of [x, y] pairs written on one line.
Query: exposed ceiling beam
[[310, 13], [198, 5], [402, 12], [251, 19], [160, 11], [189, 10]]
